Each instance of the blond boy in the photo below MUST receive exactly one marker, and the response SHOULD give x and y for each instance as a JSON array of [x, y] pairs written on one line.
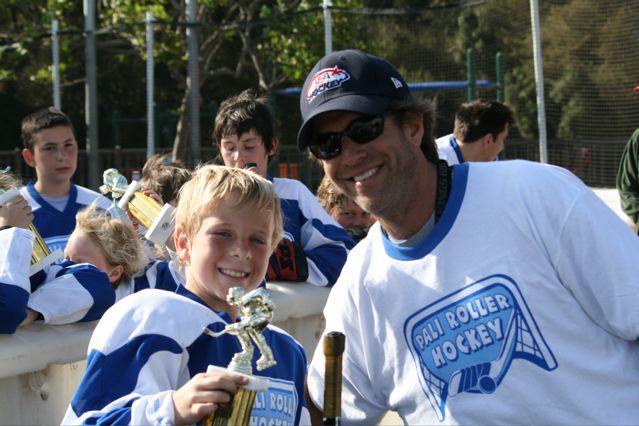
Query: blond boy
[[148, 357]]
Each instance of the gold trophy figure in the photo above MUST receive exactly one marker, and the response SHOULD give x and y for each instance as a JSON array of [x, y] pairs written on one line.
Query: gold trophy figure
[[158, 220], [256, 311], [41, 256]]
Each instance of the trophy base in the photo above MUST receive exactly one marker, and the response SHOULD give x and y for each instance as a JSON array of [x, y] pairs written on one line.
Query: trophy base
[[50, 259], [238, 411], [162, 226]]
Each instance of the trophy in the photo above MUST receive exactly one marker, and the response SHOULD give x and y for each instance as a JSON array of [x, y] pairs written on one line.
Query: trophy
[[256, 311], [158, 220], [41, 256]]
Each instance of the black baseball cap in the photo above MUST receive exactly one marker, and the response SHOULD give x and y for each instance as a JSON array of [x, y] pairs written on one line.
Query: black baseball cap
[[349, 80]]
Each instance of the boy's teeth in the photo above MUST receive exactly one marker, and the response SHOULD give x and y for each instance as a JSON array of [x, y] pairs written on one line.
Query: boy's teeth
[[365, 175], [236, 274]]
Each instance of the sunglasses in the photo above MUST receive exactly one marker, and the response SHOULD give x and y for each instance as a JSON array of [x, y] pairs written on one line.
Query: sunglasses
[[361, 130]]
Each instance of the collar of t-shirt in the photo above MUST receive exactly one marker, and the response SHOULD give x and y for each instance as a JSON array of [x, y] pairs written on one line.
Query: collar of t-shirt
[[58, 203], [414, 239]]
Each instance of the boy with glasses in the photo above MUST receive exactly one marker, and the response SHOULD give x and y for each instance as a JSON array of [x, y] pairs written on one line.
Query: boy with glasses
[[473, 299]]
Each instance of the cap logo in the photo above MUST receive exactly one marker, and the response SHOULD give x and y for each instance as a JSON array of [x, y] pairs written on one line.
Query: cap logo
[[396, 82], [324, 80]]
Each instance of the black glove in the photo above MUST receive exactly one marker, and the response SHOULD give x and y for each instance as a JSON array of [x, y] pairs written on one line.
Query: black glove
[[287, 263]]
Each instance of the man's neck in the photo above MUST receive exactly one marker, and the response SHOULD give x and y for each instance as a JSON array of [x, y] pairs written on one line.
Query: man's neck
[[53, 189], [403, 223]]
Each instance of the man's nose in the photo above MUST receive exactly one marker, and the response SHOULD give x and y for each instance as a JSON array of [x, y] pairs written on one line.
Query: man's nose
[[352, 152]]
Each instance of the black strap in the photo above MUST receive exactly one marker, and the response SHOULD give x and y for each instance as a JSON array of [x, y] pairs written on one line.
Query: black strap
[[444, 175]]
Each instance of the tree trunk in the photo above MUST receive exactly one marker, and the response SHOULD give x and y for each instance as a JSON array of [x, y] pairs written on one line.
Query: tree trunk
[[181, 141]]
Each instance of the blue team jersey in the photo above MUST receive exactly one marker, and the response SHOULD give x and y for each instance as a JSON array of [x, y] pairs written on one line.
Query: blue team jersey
[[152, 342], [325, 243], [62, 294], [56, 226]]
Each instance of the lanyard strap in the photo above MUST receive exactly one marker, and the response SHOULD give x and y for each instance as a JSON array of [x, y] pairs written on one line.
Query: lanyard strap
[[444, 174]]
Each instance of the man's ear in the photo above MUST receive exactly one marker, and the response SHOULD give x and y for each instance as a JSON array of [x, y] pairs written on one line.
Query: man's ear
[[27, 156], [413, 128], [182, 245]]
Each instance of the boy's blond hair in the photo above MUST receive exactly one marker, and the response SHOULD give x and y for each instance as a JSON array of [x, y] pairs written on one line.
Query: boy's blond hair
[[210, 184], [117, 240], [329, 196], [8, 180]]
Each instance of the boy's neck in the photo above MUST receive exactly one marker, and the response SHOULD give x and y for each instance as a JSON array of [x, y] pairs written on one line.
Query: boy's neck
[[53, 189]]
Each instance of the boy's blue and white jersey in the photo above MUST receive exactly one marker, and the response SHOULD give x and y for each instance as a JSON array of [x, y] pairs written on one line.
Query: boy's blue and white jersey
[[325, 242], [56, 226], [449, 150], [158, 274], [151, 343], [63, 294]]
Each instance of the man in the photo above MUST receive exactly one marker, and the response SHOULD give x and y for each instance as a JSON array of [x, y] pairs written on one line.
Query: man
[[628, 177], [474, 298], [481, 128]]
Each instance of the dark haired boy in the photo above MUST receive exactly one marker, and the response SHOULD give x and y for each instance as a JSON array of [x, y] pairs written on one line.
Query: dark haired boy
[[245, 134], [51, 149], [481, 129]]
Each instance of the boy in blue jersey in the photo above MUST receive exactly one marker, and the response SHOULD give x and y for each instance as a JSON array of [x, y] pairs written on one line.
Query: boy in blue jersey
[[61, 294], [481, 129], [114, 247], [51, 149], [148, 357], [245, 134]]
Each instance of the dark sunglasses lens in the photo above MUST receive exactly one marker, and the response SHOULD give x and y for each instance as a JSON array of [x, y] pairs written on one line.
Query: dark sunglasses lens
[[327, 146], [363, 131]]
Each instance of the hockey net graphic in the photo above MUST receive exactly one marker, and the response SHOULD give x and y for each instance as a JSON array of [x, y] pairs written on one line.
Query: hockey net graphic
[[519, 342]]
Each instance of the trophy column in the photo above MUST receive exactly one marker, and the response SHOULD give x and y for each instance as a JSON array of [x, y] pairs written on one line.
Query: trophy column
[[41, 256], [256, 311], [158, 220]]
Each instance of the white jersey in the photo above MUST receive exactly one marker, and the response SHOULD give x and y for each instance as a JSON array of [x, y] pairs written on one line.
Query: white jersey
[[151, 343], [449, 150], [520, 307], [56, 226], [325, 242]]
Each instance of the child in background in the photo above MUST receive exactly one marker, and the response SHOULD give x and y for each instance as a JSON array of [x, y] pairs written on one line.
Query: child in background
[[165, 178], [245, 134], [344, 210], [114, 247], [61, 294], [148, 356], [51, 149]]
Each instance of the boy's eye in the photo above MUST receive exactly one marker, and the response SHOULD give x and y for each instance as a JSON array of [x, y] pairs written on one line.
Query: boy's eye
[[222, 233], [258, 240]]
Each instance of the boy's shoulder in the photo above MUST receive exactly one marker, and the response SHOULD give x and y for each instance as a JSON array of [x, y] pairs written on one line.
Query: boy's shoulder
[[152, 312], [86, 196], [281, 338]]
